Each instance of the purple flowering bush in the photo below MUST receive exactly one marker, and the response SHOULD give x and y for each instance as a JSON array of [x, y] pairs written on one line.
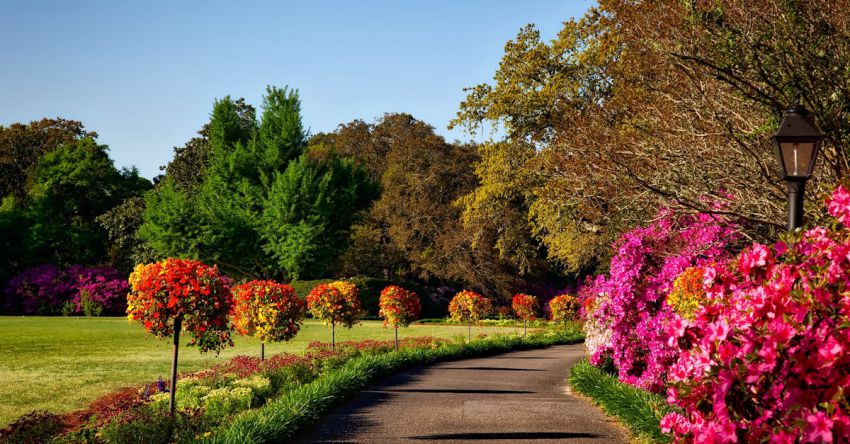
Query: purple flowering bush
[[48, 290], [41, 290], [103, 286], [629, 313]]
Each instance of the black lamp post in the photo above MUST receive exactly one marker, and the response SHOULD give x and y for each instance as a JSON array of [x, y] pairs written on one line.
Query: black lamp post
[[797, 143]]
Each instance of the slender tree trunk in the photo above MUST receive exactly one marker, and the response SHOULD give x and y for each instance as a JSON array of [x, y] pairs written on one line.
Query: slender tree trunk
[[469, 331], [396, 338], [178, 325], [262, 351], [524, 327], [333, 336]]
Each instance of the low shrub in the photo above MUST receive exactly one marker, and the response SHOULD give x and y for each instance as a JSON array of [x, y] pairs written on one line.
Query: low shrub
[[36, 426], [152, 424]]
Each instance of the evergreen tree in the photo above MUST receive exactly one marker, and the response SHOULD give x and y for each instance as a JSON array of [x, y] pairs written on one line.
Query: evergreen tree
[[310, 209]]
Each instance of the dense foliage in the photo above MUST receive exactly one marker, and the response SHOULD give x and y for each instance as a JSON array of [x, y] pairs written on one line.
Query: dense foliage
[[56, 181], [195, 292], [398, 306], [266, 310], [267, 206]]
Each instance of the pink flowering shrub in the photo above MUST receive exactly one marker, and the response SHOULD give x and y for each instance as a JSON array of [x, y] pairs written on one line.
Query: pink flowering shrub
[[629, 309], [46, 290], [769, 359]]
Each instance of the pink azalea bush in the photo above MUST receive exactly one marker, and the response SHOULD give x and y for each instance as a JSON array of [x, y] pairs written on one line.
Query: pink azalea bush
[[768, 360], [47, 290], [627, 323]]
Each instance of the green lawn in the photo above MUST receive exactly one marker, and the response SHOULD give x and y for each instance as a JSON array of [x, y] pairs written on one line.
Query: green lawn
[[61, 364]]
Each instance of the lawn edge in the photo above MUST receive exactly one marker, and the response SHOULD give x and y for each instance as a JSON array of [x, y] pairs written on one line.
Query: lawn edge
[[636, 410]]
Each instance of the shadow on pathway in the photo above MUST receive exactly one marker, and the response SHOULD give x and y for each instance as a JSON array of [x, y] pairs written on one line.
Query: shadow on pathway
[[514, 397]]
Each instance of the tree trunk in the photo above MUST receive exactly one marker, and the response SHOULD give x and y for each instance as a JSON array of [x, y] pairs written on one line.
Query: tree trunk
[[178, 325], [333, 336], [524, 327], [469, 331], [396, 338], [262, 351]]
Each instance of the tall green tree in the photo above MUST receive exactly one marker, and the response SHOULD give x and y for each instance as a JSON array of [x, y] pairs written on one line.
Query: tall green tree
[[310, 209], [71, 186], [22, 145], [234, 216]]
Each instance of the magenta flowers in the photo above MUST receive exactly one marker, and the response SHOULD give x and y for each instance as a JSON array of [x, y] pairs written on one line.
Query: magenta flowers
[[629, 314], [768, 359]]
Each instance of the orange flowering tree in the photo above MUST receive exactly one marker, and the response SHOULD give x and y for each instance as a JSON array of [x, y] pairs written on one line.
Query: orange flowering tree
[[564, 308], [525, 307], [177, 294], [335, 303], [398, 307], [469, 306], [268, 311]]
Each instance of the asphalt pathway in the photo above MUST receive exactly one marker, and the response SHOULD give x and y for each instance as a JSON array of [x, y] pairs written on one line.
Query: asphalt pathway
[[513, 397]]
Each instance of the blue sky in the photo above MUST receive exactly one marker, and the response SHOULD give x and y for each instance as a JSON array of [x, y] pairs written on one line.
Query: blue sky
[[143, 75]]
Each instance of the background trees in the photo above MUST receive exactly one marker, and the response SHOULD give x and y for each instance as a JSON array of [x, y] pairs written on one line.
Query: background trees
[[56, 181], [638, 103], [267, 206]]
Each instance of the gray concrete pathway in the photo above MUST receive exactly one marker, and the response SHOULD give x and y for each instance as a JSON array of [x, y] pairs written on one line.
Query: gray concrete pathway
[[514, 397]]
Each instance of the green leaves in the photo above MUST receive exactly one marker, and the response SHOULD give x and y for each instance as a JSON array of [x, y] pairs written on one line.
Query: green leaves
[[264, 208]]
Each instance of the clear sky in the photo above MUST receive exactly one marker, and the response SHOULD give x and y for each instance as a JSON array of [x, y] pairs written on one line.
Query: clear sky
[[144, 74]]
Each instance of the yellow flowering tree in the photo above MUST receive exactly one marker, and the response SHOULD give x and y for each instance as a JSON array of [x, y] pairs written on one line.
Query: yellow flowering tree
[[268, 311], [335, 303]]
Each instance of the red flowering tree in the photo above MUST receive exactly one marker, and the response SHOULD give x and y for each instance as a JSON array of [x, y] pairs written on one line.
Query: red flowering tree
[[177, 294], [268, 311], [335, 303], [398, 307], [525, 307], [469, 306], [564, 308]]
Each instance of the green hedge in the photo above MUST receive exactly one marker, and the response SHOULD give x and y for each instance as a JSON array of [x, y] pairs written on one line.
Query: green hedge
[[370, 293], [637, 409], [283, 417]]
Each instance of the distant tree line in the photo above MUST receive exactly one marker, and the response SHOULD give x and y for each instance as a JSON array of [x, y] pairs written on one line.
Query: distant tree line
[[257, 195]]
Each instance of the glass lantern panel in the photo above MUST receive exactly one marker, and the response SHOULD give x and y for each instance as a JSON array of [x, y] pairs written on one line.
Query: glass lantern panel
[[796, 157]]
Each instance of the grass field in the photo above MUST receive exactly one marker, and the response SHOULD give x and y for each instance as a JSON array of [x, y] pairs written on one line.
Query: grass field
[[61, 364]]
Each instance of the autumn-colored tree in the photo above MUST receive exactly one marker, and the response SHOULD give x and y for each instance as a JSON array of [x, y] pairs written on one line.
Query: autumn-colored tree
[[414, 230], [268, 311], [398, 307], [642, 102]]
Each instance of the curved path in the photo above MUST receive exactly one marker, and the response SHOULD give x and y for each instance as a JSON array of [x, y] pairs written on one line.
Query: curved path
[[513, 397]]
